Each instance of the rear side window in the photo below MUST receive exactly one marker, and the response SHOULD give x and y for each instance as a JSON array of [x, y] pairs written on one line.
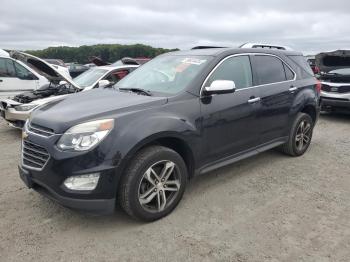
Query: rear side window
[[236, 69], [269, 69], [303, 64], [289, 73]]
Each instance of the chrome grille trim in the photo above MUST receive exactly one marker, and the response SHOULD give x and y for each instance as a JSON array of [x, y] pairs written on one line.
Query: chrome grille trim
[[34, 156], [39, 130]]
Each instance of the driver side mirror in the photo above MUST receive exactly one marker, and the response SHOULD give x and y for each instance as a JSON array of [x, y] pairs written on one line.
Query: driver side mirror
[[103, 83], [221, 87]]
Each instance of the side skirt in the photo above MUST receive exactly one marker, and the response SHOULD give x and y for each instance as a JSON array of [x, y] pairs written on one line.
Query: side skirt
[[240, 156]]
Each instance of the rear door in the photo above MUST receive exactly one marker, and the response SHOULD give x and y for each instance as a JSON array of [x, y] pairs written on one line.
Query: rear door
[[15, 78], [229, 125], [275, 80]]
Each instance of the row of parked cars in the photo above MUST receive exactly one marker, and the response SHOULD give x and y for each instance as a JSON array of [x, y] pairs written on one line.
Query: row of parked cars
[[139, 140], [45, 82]]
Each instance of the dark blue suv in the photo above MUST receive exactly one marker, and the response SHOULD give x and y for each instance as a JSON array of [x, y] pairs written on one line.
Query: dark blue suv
[[180, 115]]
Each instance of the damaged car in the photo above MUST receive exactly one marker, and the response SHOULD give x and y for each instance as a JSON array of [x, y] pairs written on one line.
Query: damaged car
[[335, 78], [17, 110], [17, 76]]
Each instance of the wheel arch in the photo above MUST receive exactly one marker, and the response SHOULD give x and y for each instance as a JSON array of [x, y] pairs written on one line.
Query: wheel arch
[[167, 139]]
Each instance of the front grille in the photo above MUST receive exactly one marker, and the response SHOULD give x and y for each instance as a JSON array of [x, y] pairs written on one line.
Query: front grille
[[336, 89], [34, 156], [40, 130]]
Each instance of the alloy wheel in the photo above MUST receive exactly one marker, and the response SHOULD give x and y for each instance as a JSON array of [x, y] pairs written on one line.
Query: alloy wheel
[[303, 135], [159, 186]]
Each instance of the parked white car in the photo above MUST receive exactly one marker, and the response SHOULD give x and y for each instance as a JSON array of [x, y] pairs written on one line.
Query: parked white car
[[16, 76], [17, 110]]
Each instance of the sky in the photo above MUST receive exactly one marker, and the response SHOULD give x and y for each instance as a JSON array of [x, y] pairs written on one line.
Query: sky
[[309, 26]]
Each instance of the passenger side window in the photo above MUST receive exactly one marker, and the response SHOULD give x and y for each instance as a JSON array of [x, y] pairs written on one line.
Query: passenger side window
[[6, 68], [22, 72], [269, 69], [236, 69]]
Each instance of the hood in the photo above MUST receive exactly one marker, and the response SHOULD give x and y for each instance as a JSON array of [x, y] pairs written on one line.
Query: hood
[[4, 53], [329, 61], [71, 110], [42, 67]]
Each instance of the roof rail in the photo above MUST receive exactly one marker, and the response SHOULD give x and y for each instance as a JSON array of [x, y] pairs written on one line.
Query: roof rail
[[267, 46], [206, 47]]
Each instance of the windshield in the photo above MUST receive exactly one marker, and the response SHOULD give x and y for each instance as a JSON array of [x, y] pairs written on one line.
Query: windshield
[[89, 77], [165, 74], [342, 71]]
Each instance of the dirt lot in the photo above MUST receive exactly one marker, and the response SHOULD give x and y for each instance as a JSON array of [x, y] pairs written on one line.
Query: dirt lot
[[267, 208]]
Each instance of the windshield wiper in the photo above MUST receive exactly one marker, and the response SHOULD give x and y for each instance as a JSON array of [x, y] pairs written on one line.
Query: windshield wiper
[[137, 90]]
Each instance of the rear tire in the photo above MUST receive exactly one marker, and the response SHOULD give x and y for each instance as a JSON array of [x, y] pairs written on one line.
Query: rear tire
[[153, 184], [300, 136]]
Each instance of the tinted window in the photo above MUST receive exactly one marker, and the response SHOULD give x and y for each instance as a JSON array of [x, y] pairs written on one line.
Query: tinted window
[[304, 66], [237, 69], [289, 73], [269, 69], [6, 68]]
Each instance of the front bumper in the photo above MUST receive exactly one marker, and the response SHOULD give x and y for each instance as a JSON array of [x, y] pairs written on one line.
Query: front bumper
[[335, 100], [13, 115], [49, 180], [99, 206]]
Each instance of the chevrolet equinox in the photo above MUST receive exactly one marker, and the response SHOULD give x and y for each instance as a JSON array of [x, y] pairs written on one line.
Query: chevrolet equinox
[[180, 115]]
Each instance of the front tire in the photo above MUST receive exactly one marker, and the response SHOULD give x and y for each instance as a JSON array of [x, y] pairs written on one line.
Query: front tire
[[153, 184], [300, 135]]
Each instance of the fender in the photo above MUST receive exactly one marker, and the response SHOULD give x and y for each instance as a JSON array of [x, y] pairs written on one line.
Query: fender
[[150, 129], [305, 97]]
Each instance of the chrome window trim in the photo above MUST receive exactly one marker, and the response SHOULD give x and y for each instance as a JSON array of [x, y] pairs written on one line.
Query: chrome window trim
[[254, 86]]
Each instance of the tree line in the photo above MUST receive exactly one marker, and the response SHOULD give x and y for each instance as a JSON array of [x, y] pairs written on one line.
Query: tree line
[[107, 52]]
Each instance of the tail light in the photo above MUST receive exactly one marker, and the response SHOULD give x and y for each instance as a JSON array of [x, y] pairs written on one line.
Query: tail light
[[318, 86]]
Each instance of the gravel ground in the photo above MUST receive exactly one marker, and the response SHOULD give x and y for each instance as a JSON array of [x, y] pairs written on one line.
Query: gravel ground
[[267, 208]]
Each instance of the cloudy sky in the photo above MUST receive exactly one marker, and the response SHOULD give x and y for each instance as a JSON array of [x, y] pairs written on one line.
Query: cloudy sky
[[308, 25]]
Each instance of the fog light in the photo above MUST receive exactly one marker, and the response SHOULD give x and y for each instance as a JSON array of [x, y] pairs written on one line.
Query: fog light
[[82, 182]]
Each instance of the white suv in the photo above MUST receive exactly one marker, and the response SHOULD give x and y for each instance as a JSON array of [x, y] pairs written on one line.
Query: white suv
[[16, 76]]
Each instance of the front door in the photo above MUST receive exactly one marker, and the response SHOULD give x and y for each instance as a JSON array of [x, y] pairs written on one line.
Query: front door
[[228, 124]]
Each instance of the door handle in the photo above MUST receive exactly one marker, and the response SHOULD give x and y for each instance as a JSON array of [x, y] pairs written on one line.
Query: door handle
[[254, 100], [0, 80], [292, 89]]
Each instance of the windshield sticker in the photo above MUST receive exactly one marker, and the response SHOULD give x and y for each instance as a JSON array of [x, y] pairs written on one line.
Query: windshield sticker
[[193, 61], [182, 67]]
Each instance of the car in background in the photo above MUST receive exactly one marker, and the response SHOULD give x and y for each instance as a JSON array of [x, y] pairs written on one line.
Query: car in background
[[180, 115], [335, 79], [76, 69], [124, 61], [312, 62], [17, 110], [17, 75], [58, 62]]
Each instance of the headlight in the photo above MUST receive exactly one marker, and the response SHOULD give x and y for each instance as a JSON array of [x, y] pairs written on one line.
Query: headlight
[[82, 182], [85, 136], [25, 107]]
